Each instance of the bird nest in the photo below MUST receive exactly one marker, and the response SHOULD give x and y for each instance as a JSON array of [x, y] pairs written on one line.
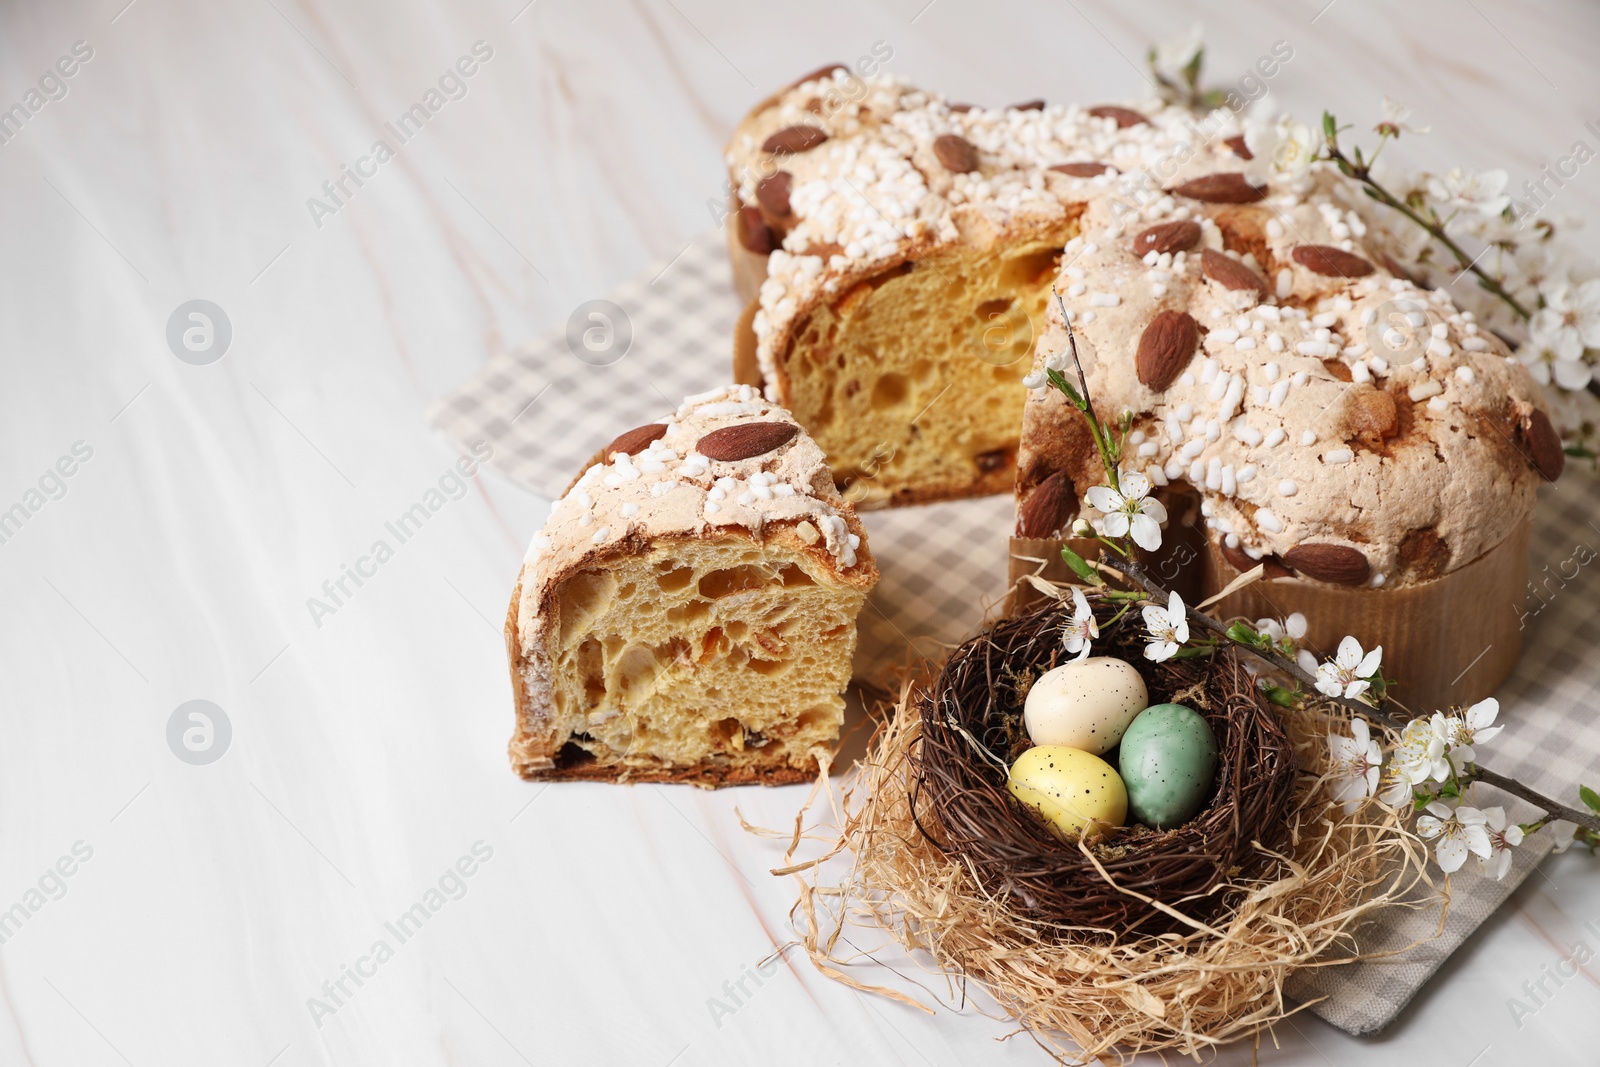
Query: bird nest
[[1152, 940], [1141, 880]]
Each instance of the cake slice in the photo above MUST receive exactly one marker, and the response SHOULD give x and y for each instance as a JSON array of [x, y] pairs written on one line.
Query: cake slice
[[903, 248], [688, 611]]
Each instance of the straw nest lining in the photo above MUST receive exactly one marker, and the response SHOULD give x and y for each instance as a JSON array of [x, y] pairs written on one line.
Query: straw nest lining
[[1083, 992], [971, 733]]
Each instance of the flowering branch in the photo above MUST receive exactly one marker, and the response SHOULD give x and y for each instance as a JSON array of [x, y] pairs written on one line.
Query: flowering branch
[[1354, 166], [1550, 809]]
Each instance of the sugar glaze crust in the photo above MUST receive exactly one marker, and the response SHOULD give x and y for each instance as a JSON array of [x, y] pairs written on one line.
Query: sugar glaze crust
[[1307, 434]]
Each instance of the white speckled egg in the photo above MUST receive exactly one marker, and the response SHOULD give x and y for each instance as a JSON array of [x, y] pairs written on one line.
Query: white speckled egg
[[1085, 705]]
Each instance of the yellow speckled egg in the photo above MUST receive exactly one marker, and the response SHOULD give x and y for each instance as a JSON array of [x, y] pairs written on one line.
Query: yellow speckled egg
[[1087, 704], [1070, 789]]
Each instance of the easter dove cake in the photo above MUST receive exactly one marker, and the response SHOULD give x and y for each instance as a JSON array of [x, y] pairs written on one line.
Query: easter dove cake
[[1356, 436], [688, 611]]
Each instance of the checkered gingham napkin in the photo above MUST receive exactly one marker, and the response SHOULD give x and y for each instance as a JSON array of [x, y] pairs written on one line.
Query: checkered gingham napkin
[[548, 406]]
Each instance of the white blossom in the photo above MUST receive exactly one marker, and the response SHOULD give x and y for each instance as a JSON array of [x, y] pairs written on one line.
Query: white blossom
[[1464, 190], [1357, 764], [1395, 785], [1460, 832], [1502, 839], [1083, 628], [1474, 728], [1170, 58], [1131, 511], [1285, 146], [1397, 119], [1034, 380], [1545, 366], [1534, 266], [1570, 320], [1169, 629], [1346, 674], [1271, 627], [1423, 754], [1562, 831]]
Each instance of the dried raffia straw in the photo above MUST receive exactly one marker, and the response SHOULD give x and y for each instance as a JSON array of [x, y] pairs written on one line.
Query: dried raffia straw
[[1214, 974]]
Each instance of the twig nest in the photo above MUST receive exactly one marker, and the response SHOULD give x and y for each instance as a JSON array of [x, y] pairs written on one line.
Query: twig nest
[[1099, 948], [1212, 836]]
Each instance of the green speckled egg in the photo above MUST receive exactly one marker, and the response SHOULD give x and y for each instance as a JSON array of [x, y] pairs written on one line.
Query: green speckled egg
[[1168, 760]]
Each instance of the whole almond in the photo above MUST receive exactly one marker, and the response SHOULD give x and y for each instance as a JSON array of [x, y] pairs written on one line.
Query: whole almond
[[820, 72], [1239, 560], [1230, 273], [1167, 237], [1239, 148], [1029, 105], [961, 109], [792, 139], [1047, 507], [1165, 348], [1124, 116], [745, 440], [1373, 416], [754, 233], [773, 192], [1331, 262], [1226, 188], [956, 153], [1081, 170], [1544, 446], [1339, 564], [635, 440]]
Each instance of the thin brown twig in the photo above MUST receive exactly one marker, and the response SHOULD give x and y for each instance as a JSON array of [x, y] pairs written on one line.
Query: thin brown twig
[[1362, 173]]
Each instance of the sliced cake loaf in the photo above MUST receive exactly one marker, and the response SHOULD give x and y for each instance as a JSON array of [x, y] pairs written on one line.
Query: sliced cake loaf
[[688, 612]]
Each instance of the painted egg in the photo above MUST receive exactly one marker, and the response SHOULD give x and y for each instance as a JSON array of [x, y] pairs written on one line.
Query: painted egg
[[1168, 760], [1087, 704], [1070, 789]]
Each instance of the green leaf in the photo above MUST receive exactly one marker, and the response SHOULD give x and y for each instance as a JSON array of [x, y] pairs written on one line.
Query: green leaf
[[1330, 126], [1191, 73], [1284, 698], [1589, 797], [1059, 380], [1245, 634], [1081, 567]]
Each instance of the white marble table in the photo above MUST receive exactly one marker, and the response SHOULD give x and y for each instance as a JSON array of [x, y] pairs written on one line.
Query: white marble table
[[208, 904]]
